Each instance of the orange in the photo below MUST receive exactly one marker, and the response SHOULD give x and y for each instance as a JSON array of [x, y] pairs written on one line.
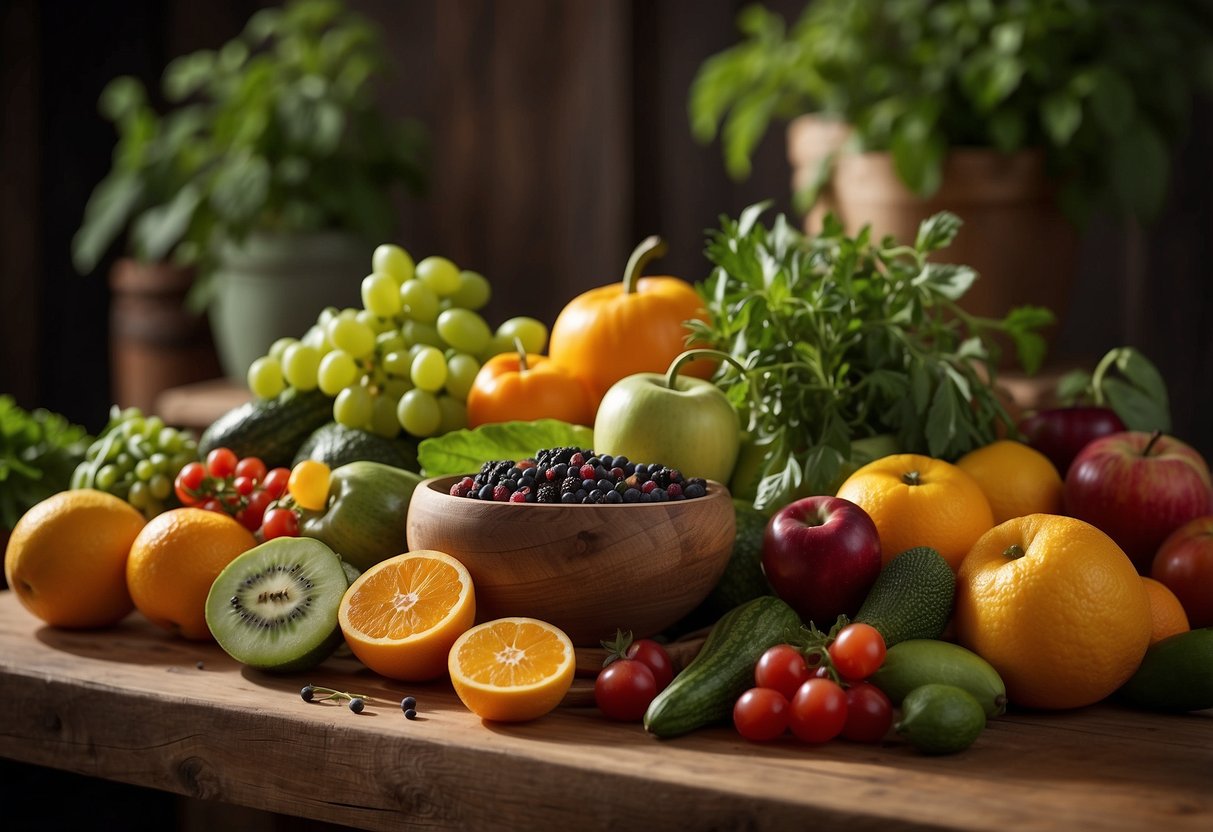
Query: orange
[[174, 561], [1056, 607], [66, 558], [512, 669], [1015, 478], [916, 500], [1167, 614], [401, 616]]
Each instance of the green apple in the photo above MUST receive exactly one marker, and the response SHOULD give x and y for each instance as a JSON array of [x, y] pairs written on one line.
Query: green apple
[[685, 423]]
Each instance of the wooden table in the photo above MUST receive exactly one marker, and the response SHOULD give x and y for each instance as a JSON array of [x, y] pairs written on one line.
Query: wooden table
[[133, 704]]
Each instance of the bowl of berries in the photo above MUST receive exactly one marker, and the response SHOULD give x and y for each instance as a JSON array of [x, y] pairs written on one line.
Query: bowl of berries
[[587, 543]]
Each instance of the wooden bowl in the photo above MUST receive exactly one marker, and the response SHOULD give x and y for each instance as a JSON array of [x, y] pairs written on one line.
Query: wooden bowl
[[587, 569]]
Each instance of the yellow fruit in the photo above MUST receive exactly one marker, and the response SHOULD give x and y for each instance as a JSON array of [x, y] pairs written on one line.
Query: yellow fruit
[[1167, 616], [512, 669], [1056, 607], [916, 500], [401, 616], [66, 558], [174, 561], [1016, 479]]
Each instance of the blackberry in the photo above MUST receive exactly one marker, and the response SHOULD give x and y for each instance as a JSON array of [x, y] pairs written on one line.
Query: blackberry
[[569, 484], [547, 493], [495, 470]]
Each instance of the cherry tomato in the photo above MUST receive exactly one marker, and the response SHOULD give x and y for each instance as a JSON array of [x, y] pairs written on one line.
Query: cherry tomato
[[251, 467], [869, 713], [819, 710], [782, 668], [253, 513], [279, 522], [858, 651], [244, 485], [653, 655], [275, 482], [761, 714], [624, 689], [212, 504], [189, 480], [309, 484], [221, 463]]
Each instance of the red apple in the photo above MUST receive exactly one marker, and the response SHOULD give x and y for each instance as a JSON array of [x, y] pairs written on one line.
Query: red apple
[[1185, 564], [821, 555], [1138, 488], [1061, 432]]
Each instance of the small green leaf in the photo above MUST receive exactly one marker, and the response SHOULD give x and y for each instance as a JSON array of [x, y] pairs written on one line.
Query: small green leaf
[[1142, 373], [1135, 408], [949, 280], [107, 211], [937, 231], [1062, 116], [465, 451], [157, 230], [1073, 386]]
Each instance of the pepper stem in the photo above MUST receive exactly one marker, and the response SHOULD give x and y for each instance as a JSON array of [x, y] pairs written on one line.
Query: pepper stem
[[649, 248], [671, 375], [522, 367]]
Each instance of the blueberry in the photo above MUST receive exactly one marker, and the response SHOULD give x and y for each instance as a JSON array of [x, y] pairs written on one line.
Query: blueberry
[[356, 705], [605, 484], [486, 493], [410, 713], [694, 490], [568, 497], [614, 496], [408, 703], [632, 495], [307, 693]]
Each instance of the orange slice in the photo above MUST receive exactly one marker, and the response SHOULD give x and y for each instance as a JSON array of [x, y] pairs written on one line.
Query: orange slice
[[512, 669], [401, 616]]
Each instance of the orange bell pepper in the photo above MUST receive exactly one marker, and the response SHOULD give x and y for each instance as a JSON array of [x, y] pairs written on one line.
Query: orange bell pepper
[[518, 385]]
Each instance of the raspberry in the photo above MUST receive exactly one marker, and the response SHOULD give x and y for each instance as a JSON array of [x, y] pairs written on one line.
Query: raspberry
[[587, 472], [500, 494], [518, 497], [648, 487], [577, 459], [674, 490]]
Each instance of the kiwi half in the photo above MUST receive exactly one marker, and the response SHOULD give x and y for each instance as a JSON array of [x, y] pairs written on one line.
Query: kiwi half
[[275, 606]]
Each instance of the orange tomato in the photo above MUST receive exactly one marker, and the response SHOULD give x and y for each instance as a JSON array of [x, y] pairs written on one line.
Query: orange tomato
[[636, 326], [525, 386]]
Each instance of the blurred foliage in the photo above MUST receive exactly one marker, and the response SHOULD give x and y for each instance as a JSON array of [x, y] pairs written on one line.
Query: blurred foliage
[[1105, 86], [38, 452], [277, 130]]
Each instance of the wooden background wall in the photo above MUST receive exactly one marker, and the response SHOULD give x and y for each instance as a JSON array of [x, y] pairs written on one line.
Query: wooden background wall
[[560, 138]]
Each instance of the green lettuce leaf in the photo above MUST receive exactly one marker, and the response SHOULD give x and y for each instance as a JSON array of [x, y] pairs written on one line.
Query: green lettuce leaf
[[465, 451]]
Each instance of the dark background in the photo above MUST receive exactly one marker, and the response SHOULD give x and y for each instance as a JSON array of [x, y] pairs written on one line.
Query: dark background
[[560, 140]]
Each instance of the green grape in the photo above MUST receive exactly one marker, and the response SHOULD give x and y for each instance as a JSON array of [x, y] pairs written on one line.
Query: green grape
[[453, 414], [152, 427], [461, 370], [160, 486], [139, 495], [316, 338], [279, 347], [132, 426], [473, 291], [428, 370], [440, 274], [394, 388], [352, 407], [383, 417], [381, 295], [533, 334], [326, 314], [300, 364], [376, 324], [398, 363], [351, 335], [419, 413], [159, 462], [144, 470], [106, 477], [464, 330], [390, 341], [418, 301], [497, 345], [265, 377], [337, 371], [393, 260], [415, 332]]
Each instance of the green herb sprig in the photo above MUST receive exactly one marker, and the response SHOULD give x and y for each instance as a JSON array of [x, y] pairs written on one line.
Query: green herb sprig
[[844, 338], [38, 452]]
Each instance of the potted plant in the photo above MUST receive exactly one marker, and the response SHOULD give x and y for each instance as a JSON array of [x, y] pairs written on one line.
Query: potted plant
[[1015, 114], [270, 176]]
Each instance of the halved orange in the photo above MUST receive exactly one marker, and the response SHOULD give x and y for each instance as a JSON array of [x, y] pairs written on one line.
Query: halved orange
[[401, 616], [512, 669]]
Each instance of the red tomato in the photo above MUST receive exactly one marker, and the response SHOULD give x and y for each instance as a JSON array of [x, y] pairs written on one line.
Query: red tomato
[[869, 713], [819, 710], [624, 689], [782, 668], [189, 480], [221, 463], [275, 482], [653, 655], [253, 513], [761, 714], [279, 522], [858, 651], [244, 485], [251, 467]]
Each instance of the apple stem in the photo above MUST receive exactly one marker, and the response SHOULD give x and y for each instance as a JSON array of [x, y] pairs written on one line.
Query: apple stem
[[522, 367], [1150, 445], [1013, 552], [648, 249], [671, 374]]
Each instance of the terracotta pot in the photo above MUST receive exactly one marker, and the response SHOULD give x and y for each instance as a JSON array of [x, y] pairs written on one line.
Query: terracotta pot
[[1014, 235], [156, 342]]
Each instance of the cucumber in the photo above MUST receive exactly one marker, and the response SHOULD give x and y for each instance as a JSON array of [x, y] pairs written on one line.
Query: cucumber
[[706, 689], [911, 598], [270, 429], [1176, 674], [334, 444], [920, 661]]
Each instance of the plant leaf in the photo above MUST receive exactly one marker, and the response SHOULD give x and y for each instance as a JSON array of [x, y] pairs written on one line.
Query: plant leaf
[[158, 229], [1135, 408], [937, 231], [465, 451]]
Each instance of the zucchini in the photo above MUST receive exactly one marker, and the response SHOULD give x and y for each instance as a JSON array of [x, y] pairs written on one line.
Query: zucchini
[[334, 444], [270, 429], [705, 691]]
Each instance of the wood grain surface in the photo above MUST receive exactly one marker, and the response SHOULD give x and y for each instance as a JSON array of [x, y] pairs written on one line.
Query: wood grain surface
[[132, 704]]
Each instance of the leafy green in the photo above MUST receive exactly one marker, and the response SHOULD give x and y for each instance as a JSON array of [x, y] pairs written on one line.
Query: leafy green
[[844, 338], [1126, 381], [465, 451], [38, 452]]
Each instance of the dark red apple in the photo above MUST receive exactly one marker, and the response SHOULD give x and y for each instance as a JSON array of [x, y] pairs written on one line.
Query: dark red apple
[[1138, 488], [821, 555], [1185, 564], [1061, 432]]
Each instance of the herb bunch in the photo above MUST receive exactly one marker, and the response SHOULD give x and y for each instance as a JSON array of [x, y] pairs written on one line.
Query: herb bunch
[[38, 452], [844, 338]]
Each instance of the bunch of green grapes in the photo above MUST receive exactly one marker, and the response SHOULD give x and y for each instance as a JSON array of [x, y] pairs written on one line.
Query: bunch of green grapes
[[136, 458], [407, 359]]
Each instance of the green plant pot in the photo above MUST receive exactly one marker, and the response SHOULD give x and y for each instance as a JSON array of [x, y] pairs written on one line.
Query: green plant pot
[[275, 285]]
